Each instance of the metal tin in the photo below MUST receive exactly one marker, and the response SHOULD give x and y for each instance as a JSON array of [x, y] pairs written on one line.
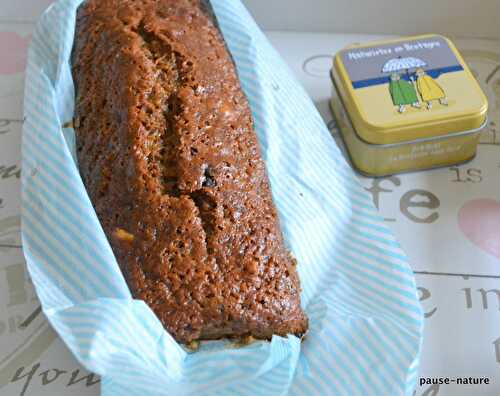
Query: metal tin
[[407, 104]]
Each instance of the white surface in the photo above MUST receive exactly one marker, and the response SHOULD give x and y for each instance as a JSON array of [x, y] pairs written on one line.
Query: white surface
[[22, 10], [439, 245], [462, 18], [460, 330]]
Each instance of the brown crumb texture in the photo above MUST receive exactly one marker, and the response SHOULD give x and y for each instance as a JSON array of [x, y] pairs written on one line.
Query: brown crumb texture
[[168, 154]]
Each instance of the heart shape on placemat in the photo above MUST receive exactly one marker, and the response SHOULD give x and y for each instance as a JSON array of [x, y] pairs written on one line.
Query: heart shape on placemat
[[13, 50], [479, 220]]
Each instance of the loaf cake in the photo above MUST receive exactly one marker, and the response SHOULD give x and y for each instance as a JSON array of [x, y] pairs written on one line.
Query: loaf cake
[[167, 152]]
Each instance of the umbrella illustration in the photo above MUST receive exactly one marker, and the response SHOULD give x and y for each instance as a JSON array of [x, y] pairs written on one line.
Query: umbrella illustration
[[396, 64], [402, 92]]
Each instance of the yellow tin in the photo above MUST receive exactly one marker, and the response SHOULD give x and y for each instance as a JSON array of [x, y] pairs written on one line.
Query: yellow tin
[[406, 104]]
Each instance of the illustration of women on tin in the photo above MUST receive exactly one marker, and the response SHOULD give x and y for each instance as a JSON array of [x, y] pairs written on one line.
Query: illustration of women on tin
[[429, 89], [402, 92]]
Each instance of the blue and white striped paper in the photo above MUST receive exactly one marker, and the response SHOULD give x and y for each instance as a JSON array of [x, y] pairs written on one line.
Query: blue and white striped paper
[[358, 290]]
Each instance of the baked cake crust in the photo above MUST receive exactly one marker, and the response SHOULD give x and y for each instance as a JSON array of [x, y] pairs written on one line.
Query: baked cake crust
[[168, 154]]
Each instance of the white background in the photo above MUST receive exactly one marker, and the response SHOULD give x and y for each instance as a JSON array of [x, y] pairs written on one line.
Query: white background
[[469, 18]]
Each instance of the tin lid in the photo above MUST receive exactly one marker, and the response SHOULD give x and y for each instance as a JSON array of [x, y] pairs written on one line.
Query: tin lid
[[407, 89]]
